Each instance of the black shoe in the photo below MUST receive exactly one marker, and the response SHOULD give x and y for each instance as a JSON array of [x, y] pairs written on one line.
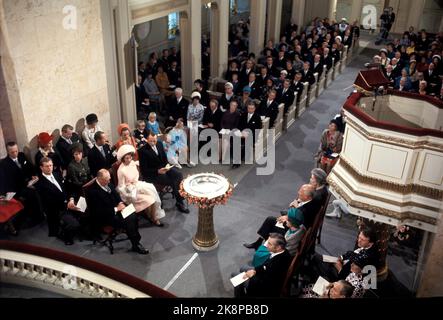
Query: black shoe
[[284, 212], [182, 207], [253, 245], [140, 249], [159, 224], [235, 166], [69, 242]]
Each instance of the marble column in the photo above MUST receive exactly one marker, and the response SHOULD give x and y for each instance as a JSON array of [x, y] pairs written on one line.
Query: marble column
[[298, 13], [219, 37], [431, 284], [274, 19], [332, 10], [356, 8], [415, 14], [257, 31], [190, 33]]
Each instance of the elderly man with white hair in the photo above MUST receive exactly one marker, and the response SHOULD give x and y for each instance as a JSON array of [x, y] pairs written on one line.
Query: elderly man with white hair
[[177, 109]]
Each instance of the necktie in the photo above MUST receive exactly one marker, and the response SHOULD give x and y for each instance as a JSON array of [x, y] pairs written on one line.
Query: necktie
[[108, 190], [284, 91], [249, 117], [102, 150], [17, 163], [69, 141], [55, 183], [155, 150]]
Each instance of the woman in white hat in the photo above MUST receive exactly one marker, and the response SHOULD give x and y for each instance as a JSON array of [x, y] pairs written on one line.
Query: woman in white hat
[[141, 194], [195, 109]]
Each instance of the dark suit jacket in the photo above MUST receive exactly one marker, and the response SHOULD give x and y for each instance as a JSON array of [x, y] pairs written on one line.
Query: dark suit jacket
[[178, 110], [309, 211], [101, 204], [298, 88], [370, 256], [214, 118], [13, 178], [318, 69], [254, 124], [308, 77], [269, 277], [271, 111], [150, 162], [287, 98], [64, 149], [52, 198], [327, 61], [96, 160]]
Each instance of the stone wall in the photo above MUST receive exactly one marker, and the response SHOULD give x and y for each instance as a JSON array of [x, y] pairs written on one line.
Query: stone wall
[[51, 75]]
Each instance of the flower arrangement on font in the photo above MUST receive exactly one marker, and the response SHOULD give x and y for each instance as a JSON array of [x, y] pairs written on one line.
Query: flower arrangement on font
[[205, 203]]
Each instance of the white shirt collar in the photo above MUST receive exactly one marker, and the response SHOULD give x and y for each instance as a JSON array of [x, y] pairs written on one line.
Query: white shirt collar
[[276, 254], [303, 203]]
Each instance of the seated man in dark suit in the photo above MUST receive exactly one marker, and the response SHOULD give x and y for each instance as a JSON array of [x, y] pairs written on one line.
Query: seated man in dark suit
[[153, 163], [15, 174], [212, 116], [105, 206], [297, 85], [286, 94], [64, 144], [305, 195], [267, 279], [60, 209], [269, 107], [100, 156], [249, 122], [366, 251], [177, 108], [307, 75]]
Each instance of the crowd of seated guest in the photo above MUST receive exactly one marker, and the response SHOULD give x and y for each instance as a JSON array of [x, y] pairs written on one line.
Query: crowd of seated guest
[[413, 63]]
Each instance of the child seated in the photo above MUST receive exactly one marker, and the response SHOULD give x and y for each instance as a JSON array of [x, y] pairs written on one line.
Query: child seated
[[152, 123], [140, 134]]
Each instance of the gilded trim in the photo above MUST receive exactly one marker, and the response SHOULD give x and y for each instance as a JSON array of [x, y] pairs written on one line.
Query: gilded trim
[[420, 190], [378, 210], [395, 141]]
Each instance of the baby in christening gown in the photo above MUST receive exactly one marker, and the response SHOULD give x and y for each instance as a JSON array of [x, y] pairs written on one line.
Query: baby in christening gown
[[140, 193]]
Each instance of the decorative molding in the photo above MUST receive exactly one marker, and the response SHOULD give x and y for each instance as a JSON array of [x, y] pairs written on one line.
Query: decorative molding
[[407, 189], [400, 142], [150, 10], [403, 216]]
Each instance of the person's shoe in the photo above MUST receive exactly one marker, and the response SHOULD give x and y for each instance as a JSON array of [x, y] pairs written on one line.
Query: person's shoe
[[284, 212], [235, 166], [69, 242], [191, 164], [140, 249], [253, 245], [333, 214], [182, 207], [179, 166], [158, 224]]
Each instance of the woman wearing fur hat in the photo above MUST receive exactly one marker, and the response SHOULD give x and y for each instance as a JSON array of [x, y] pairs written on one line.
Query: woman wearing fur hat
[[141, 194]]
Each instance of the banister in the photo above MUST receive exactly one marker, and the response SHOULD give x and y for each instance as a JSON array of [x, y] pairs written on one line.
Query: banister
[[86, 264]]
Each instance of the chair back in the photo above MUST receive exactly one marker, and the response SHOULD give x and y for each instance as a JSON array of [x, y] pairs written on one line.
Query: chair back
[[113, 172], [296, 262]]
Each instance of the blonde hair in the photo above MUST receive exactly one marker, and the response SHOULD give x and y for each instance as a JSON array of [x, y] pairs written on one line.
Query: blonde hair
[[140, 122], [152, 114]]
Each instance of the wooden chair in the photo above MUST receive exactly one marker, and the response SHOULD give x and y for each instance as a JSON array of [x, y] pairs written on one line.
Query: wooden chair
[[296, 264], [110, 232], [321, 217]]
